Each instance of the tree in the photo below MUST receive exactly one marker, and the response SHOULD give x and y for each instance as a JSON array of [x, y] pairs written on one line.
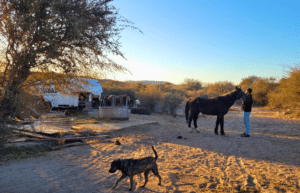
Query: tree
[[192, 84], [170, 102], [260, 86], [72, 37], [287, 94], [219, 88], [248, 82], [150, 96]]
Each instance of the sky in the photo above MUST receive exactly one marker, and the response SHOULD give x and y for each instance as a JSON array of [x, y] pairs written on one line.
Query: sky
[[209, 41]]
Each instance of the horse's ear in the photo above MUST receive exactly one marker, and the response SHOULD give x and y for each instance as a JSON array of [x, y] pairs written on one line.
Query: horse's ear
[[238, 88]]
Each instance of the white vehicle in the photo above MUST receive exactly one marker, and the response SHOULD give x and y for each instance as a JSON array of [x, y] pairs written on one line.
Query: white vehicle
[[88, 97]]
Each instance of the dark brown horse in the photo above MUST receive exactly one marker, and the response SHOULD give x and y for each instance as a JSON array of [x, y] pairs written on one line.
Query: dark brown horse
[[216, 106]]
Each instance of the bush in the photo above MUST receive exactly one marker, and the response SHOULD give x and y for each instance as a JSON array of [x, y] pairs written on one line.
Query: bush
[[170, 102], [261, 88], [150, 96], [198, 93], [287, 93], [191, 84], [219, 88]]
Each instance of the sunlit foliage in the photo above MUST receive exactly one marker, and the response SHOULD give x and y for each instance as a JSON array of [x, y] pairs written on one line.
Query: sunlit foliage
[[170, 102], [192, 84], [150, 96], [287, 93], [219, 88], [261, 87], [72, 37]]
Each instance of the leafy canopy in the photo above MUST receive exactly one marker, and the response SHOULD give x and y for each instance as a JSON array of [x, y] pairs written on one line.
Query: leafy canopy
[[71, 37]]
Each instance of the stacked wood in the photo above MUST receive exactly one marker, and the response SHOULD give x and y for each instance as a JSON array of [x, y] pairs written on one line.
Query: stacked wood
[[66, 141]]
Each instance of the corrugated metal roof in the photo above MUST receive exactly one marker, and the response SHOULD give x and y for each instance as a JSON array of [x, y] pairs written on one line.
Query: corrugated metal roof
[[95, 88]]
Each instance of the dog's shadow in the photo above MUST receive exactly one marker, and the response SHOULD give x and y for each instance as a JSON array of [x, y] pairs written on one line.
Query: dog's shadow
[[145, 189], [136, 187]]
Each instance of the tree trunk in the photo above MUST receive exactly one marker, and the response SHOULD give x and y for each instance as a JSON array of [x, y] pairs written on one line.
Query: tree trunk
[[11, 104], [8, 104]]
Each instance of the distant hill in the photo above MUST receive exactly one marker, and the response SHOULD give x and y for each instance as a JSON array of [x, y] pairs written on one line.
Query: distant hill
[[109, 80], [148, 82], [135, 81]]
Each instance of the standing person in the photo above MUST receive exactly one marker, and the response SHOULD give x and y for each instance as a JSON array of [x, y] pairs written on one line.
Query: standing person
[[247, 107]]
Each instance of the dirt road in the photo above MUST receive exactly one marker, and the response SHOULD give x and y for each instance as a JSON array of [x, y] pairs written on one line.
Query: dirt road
[[268, 161]]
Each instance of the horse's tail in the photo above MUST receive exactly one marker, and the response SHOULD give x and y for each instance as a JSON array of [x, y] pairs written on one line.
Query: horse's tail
[[187, 109]]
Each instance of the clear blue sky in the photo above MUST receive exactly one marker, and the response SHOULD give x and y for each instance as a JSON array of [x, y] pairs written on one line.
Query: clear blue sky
[[212, 40]]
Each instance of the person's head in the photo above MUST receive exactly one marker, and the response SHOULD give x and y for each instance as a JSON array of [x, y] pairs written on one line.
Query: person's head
[[249, 91]]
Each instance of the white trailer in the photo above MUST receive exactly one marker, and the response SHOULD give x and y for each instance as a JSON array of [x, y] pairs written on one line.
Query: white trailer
[[87, 97]]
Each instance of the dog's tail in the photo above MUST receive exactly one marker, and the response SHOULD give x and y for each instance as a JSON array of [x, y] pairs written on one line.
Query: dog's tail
[[154, 153]]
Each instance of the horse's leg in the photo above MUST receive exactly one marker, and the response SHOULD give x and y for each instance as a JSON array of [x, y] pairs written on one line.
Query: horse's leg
[[222, 124], [187, 109], [195, 121], [217, 124], [190, 121]]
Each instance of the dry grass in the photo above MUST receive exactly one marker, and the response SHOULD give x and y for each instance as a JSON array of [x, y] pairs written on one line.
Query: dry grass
[[14, 153], [293, 114]]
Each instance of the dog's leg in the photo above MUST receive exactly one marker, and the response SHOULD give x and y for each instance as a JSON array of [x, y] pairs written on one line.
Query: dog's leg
[[120, 179], [155, 172], [131, 183], [146, 177]]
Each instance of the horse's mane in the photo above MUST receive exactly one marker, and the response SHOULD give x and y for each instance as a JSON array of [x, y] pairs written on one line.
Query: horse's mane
[[229, 94], [226, 95]]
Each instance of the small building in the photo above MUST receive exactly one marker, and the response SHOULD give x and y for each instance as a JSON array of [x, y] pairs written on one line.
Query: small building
[[88, 96]]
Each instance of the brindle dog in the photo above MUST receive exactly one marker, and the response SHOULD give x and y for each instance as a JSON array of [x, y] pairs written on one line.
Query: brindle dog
[[131, 167]]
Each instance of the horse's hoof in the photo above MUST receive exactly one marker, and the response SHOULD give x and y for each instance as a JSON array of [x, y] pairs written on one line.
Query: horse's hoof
[[198, 131], [216, 133], [223, 134]]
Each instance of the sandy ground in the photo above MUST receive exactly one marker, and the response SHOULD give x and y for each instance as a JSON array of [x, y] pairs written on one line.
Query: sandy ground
[[268, 161]]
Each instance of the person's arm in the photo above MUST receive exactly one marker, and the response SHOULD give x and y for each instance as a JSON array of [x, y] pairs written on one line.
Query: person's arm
[[248, 99]]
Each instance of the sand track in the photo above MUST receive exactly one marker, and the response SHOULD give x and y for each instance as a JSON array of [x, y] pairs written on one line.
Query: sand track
[[268, 161]]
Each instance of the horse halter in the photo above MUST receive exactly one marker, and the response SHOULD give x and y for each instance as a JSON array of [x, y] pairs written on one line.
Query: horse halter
[[241, 93]]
